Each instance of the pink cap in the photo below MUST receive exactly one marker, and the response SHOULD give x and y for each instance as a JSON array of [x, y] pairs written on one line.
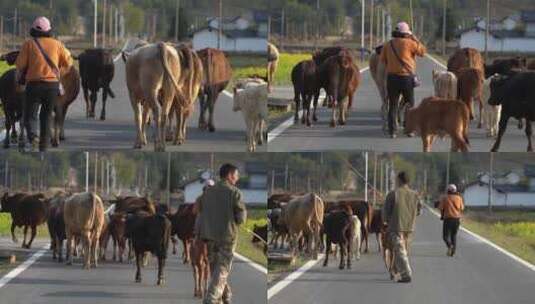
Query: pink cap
[[41, 24], [403, 27]]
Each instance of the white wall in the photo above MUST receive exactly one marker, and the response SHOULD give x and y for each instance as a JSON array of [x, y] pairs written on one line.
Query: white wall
[[206, 38], [476, 40], [478, 196], [255, 197]]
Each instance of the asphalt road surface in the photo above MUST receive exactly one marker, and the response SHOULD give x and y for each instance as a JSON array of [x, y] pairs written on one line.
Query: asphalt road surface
[[118, 130], [47, 281], [477, 274], [363, 130]]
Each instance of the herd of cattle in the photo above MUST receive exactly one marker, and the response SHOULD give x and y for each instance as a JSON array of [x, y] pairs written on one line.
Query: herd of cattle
[[134, 222], [164, 81], [503, 89], [305, 222]]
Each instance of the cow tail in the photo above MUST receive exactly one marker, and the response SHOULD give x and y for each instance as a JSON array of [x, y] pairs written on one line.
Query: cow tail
[[466, 120], [162, 47], [92, 214], [110, 92]]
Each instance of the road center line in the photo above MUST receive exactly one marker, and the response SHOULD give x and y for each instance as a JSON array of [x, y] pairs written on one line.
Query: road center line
[[489, 243], [290, 121], [19, 269]]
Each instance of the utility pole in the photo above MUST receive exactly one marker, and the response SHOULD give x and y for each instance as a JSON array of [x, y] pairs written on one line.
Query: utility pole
[[487, 32], [362, 24], [177, 19], [272, 181], [15, 18], [6, 174], [103, 25], [286, 177], [366, 177], [491, 181], [321, 173], [1, 33], [411, 16], [269, 28], [96, 172], [371, 23], [374, 178], [168, 178], [383, 25], [448, 171], [317, 24], [95, 27], [444, 11], [282, 30], [116, 29], [220, 32], [86, 171]]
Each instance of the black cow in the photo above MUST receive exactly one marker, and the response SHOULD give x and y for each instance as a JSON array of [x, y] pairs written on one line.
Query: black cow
[[306, 86], [260, 235], [278, 228], [338, 229], [149, 233], [504, 66], [12, 101], [320, 56], [97, 70], [56, 226], [516, 94]]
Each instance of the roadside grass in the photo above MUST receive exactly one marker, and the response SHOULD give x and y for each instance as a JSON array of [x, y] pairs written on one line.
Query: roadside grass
[[5, 228], [245, 66], [277, 270], [274, 114], [286, 63], [512, 230], [245, 247]]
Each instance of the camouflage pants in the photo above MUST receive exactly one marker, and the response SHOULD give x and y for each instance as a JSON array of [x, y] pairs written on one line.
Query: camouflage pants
[[220, 256], [399, 241]]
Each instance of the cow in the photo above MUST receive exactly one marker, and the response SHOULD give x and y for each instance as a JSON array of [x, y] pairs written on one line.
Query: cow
[[515, 94], [83, 214], [465, 58], [376, 226], [132, 204], [445, 84], [273, 62], [217, 74], [279, 230], [339, 229], [470, 84], [250, 97], [491, 114], [306, 86], [12, 98], [201, 267], [70, 79], [321, 56], [504, 66], [56, 225], [27, 210], [357, 235], [164, 80], [183, 226], [438, 117], [362, 210], [531, 65], [354, 83], [97, 70], [304, 216], [260, 236], [149, 233], [275, 200], [335, 75], [379, 75]]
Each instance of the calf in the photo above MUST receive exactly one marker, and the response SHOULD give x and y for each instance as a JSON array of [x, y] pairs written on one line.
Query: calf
[[149, 233], [515, 93], [56, 225], [306, 86], [338, 228], [201, 267], [12, 98], [273, 61], [217, 74], [470, 82], [438, 117], [363, 211], [491, 114], [376, 227], [250, 97], [278, 228], [357, 236], [445, 84], [260, 236], [97, 70], [504, 66], [27, 210], [183, 226]]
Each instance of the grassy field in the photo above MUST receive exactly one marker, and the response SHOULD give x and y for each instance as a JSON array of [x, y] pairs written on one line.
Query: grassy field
[[512, 230], [286, 63], [245, 247], [245, 66]]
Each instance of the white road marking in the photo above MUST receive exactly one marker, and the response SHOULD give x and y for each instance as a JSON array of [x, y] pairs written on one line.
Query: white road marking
[[19, 269], [292, 277], [255, 265], [290, 121], [489, 243]]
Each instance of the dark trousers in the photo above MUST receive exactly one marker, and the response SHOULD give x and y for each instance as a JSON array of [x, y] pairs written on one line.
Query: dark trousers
[[450, 227], [44, 94], [396, 86]]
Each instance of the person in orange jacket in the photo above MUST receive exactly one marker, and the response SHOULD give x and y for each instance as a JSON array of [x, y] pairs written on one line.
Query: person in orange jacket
[[38, 67], [451, 207]]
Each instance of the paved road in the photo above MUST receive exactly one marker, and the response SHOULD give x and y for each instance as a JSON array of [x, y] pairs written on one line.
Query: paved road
[[477, 274], [364, 128], [46, 281], [118, 131]]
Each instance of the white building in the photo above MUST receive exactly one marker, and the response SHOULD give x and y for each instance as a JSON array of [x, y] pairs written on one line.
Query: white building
[[238, 34], [506, 35], [253, 185], [509, 190]]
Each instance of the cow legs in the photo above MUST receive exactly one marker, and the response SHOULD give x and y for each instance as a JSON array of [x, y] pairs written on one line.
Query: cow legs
[[480, 103], [8, 128], [503, 126], [104, 98], [86, 245], [528, 134], [69, 254], [202, 107], [94, 250], [13, 236], [24, 239], [59, 249], [342, 112], [180, 136], [138, 113], [57, 122], [161, 265], [139, 258], [187, 245], [93, 95], [211, 105], [316, 98], [34, 232], [327, 250], [332, 100], [297, 100], [87, 102]]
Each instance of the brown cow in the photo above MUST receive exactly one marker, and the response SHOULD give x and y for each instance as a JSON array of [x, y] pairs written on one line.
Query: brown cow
[[361, 209], [183, 225], [28, 210], [70, 79], [273, 62], [201, 267], [465, 58], [217, 74], [379, 75], [470, 87], [56, 224], [304, 215], [531, 65], [438, 117], [84, 217], [132, 204]]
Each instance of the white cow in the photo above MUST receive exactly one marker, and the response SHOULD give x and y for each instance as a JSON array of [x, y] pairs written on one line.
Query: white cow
[[250, 97], [491, 114], [357, 236], [445, 84]]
